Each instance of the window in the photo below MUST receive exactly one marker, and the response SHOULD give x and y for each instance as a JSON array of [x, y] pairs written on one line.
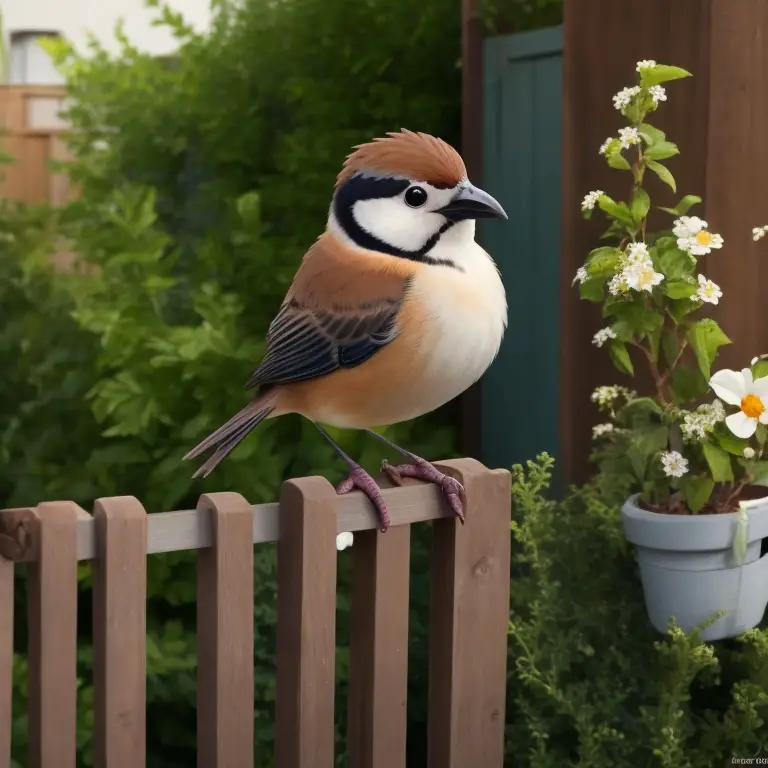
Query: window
[[29, 63]]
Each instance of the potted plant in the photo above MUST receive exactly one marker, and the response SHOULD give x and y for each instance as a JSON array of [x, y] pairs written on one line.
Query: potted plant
[[694, 447]]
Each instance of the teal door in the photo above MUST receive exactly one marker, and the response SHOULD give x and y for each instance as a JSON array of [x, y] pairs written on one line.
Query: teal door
[[521, 168]]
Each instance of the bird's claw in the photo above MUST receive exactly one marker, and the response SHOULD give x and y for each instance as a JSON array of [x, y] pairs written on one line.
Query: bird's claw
[[453, 491], [360, 479]]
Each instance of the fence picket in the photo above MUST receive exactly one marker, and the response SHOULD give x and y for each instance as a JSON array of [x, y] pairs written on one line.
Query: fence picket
[[7, 569], [469, 617], [119, 633], [225, 635], [306, 624], [52, 606], [378, 669]]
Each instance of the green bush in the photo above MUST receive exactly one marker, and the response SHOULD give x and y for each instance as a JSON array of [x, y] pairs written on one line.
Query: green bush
[[204, 179], [591, 684]]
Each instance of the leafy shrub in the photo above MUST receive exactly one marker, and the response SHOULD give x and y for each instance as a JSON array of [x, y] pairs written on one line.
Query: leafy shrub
[[591, 683], [203, 180]]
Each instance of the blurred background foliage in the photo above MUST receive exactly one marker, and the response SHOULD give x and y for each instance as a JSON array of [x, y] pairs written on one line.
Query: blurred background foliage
[[203, 179]]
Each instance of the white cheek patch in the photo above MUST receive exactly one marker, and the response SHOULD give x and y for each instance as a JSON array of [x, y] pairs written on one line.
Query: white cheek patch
[[390, 220]]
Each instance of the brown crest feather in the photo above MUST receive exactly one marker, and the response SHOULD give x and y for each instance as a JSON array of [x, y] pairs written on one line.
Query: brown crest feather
[[416, 156]]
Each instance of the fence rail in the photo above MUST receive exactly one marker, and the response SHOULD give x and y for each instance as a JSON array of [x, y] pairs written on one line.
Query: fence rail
[[468, 623]]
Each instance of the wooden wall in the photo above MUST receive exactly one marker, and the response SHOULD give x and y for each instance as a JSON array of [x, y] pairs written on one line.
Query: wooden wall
[[720, 120], [31, 132]]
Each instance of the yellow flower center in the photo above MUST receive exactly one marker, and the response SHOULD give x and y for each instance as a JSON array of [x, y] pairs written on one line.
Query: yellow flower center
[[752, 406], [703, 237]]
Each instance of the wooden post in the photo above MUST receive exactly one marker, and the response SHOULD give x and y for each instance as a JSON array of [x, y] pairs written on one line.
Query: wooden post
[[52, 606], [225, 635], [718, 119], [469, 619], [120, 633], [378, 665], [306, 624]]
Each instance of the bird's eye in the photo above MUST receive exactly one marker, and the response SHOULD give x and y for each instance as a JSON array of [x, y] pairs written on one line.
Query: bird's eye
[[415, 197]]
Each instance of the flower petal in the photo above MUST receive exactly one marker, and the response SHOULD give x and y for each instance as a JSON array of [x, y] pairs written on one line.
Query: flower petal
[[741, 425], [729, 386], [760, 388], [763, 417], [747, 374]]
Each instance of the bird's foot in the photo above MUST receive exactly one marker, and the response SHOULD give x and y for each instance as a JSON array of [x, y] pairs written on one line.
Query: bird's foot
[[360, 479], [453, 490]]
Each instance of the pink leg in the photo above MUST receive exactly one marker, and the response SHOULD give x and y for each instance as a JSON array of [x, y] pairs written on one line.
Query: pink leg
[[453, 490], [360, 479]]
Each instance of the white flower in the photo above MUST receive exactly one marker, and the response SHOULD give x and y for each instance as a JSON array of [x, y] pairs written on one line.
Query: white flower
[[694, 237], [344, 540], [637, 253], [645, 64], [674, 464], [605, 145], [642, 276], [628, 136], [694, 427], [602, 336], [581, 275], [605, 396], [600, 430], [625, 96], [759, 232], [657, 93], [749, 453], [590, 200], [714, 412], [688, 226], [738, 388], [708, 291], [618, 284]]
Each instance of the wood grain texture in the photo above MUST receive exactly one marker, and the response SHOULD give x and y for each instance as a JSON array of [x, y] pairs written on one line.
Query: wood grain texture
[[378, 676], [119, 633], [306, 624], [469, 617], [225, 635], [52, 606]]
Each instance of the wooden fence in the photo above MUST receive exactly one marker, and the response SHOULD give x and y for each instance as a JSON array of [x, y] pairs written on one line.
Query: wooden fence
[[468, 623], [32, 134]]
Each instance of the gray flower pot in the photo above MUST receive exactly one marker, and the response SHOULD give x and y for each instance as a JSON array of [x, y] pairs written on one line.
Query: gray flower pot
[[689, 569]]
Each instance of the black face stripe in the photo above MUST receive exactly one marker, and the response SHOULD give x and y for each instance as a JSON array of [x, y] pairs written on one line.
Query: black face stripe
[[369, 188]]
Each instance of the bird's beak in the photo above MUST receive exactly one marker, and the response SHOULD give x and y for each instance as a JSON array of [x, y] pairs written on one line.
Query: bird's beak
[[472, 203]]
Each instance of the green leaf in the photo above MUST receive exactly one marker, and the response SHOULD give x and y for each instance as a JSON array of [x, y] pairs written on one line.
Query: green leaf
[[680, 289], [646, 444], [706, 337], [640, 205], [760, 369], [719, 462], [696, 491], [592, 290], [661, 73], [651, 134], [661, 151], [618, 161], [620, 356], [663, 173], [761, 434], [670, 345], [688, 384], [758, 472], [619, 211], [603, 262], [675, 264], [729, 442], [683, 206], [634, 319]]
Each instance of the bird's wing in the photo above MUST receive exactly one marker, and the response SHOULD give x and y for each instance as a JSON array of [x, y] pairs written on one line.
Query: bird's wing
[[341, 309]]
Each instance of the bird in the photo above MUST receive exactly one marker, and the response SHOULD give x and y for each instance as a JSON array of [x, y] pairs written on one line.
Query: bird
[[394, 311]]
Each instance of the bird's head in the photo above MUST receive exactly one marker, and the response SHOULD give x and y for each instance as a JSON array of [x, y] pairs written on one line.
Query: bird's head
[[404, 193]]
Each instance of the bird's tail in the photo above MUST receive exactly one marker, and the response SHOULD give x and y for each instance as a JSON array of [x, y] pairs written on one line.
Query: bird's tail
[[226, 438]]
